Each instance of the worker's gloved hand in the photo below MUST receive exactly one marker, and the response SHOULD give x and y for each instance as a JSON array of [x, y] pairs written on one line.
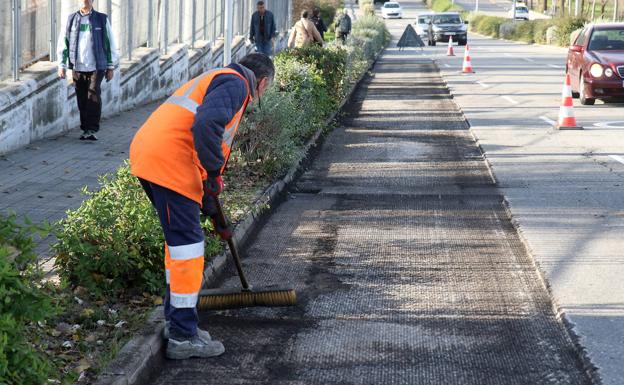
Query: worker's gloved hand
[[222, 229], [213, 186]]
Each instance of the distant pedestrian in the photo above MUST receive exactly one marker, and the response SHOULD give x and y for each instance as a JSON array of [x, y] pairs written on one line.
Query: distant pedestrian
[[343, 26], [304, 33], [318, 22], [262, 29], [87, 47]]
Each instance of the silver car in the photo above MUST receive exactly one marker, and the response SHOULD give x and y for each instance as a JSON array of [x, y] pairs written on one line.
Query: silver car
[[422, 23]]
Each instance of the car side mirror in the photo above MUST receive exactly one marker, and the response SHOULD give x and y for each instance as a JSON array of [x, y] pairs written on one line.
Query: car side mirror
[[466, 22], [576, 48]]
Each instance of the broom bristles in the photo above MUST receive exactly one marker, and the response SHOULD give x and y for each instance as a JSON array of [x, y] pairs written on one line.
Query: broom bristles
[[269, 298]]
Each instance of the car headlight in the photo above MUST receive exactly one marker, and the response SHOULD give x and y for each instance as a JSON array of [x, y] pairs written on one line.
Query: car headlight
[[608, 72], [596, 70]]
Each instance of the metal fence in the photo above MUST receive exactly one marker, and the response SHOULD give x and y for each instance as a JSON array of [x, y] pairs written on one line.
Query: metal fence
[[29, 29]]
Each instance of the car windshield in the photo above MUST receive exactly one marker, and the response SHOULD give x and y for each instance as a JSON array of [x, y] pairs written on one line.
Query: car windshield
[[607, 40], [424, 19], [522, 9], [446, 19], [391, 5]]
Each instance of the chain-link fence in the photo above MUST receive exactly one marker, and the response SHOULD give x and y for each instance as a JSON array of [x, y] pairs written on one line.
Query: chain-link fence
[[32, 27]]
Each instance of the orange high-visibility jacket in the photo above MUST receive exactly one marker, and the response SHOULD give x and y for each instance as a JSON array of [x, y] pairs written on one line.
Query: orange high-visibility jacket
[[163, 150]]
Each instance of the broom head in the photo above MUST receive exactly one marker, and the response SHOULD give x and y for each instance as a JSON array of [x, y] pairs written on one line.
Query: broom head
[[220, 299]]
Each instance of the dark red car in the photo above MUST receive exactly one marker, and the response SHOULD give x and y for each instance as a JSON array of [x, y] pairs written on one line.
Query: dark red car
[[596, 63]]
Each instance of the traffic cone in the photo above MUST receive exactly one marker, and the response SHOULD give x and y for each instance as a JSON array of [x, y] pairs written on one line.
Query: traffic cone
[[567, 121], [449, 51], [467, 67]]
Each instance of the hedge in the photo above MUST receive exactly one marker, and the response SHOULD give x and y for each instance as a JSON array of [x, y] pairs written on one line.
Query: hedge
[[532, 31]]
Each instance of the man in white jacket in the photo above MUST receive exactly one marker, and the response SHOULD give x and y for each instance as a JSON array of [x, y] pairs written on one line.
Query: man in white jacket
[[87, 47]]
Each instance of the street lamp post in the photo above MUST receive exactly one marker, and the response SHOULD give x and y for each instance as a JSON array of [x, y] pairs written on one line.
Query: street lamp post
[[476, 5]]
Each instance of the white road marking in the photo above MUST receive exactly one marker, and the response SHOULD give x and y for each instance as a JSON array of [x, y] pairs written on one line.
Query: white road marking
[[510, 100], [618, 158], [482, 84], [549, 121], [447, 65], [555, 66], [617, 124], [528, 59], [508, 54]]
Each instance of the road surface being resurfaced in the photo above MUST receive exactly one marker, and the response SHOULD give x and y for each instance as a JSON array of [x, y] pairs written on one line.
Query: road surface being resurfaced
[[407, 266]]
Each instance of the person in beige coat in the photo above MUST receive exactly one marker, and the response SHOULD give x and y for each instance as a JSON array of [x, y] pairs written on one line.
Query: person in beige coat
[[304, 33]]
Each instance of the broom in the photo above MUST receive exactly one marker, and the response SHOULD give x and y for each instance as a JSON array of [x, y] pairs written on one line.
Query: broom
[[218, 299]]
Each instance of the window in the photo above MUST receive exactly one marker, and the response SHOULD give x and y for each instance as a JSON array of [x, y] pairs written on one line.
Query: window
[[392, 5], [424, 19], [446, 19], [580, 40], [607, 40]]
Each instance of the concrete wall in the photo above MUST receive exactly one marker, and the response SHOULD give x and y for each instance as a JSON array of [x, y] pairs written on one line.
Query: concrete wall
[[41, 106]]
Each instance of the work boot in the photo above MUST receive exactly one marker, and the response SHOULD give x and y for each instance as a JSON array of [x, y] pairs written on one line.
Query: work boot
[[203, 334], [90, 135], [181, 349]]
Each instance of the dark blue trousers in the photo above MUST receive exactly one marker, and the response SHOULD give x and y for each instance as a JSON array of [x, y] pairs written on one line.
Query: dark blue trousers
[[179, 218]]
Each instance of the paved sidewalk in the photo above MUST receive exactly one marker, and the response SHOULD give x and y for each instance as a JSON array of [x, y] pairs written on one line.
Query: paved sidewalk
[[45, 179]]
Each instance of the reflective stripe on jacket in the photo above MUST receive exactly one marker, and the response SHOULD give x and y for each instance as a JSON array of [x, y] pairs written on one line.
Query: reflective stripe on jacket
[[163, 150]]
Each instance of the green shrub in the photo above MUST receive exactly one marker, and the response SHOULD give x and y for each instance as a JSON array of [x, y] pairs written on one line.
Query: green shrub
[[533, 31], [367, 8], [21, 303], [330, 63], [565, 28], [487, 25], [113, 242], [443, 6]]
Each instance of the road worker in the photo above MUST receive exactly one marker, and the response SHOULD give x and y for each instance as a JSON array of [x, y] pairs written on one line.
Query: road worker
[[179, 155]]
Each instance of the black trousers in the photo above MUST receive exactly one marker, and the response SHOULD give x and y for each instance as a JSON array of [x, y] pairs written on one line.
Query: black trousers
[[88, 94]]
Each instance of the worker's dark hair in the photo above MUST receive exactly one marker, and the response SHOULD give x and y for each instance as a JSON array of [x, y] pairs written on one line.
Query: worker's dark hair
[[304, 14], [260, 64], [260, 3], [316, 11]]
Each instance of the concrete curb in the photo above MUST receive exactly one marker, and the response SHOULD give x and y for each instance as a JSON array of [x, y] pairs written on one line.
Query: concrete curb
[[144, 352]]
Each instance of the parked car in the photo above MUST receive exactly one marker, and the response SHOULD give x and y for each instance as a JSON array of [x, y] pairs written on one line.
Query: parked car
[[392, 9], [522, 12], [422, 23], [596, 63], [447, 24]]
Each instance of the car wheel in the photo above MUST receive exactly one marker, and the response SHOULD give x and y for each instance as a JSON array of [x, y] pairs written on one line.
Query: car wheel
[[582, 97], [462, 42], [433, 43]]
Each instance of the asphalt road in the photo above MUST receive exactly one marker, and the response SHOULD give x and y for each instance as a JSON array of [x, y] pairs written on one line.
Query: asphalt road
[[564, 188], [408, 267]]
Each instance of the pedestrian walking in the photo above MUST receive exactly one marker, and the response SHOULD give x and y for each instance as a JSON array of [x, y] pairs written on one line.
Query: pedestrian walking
[[179, 156], [318, 22], [343, 25], [304, 33], [262, 29], [87, 47]]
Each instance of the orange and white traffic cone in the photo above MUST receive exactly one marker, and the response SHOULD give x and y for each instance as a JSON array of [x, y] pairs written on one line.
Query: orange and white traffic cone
[[467, 67], [567, 121], [449, 51]]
